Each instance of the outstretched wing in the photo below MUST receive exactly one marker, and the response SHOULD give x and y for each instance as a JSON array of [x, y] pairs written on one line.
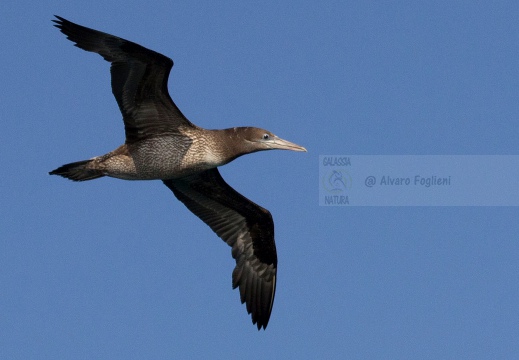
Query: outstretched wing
[[139, 81], [246, 227]]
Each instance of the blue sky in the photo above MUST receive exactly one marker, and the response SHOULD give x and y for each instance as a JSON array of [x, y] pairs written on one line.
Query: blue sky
[[122, 270]]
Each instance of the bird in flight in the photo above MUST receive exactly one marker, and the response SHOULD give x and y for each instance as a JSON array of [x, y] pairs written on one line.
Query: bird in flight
[[162, 144]]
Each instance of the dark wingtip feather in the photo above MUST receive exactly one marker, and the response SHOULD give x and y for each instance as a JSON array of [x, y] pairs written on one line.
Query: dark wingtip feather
[[59, 21]]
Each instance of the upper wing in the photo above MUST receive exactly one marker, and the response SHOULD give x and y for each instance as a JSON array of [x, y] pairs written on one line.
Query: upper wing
[[139, 81], [245, 226]]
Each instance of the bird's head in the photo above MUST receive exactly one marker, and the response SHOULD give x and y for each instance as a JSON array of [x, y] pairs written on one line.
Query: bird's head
[[256, 139]]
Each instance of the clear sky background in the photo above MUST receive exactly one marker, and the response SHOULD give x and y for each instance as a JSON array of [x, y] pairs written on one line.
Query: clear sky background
[[112, 269]]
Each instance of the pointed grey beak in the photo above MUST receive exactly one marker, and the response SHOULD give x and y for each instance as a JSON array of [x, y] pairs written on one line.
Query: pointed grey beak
[[278, 143]]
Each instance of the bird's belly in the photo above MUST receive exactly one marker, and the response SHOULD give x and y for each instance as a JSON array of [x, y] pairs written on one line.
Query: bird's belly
[[152, 161]]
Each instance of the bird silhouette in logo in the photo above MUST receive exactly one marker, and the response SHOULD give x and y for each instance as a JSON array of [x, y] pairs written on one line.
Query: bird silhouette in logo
[[337, 181]]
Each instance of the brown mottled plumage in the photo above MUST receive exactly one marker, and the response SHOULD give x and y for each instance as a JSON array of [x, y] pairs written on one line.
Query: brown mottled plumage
[[161, 144]]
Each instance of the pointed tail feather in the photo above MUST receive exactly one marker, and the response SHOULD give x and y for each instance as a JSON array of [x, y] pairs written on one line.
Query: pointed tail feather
[[77, 171]]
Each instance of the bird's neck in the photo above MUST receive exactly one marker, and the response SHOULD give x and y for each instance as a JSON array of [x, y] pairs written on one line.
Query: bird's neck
[[227, 144]]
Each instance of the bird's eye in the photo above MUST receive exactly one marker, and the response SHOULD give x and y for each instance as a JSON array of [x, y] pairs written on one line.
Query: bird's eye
[[266, 136]]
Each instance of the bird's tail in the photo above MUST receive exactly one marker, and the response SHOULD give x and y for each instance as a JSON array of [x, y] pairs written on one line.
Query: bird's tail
[[78, 171]]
